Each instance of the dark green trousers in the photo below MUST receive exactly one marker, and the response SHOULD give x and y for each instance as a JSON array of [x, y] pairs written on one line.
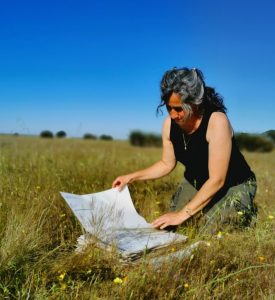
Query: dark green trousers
[[229, 209]]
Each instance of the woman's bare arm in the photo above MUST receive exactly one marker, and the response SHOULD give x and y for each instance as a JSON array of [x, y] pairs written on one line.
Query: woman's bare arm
[[158, 169]]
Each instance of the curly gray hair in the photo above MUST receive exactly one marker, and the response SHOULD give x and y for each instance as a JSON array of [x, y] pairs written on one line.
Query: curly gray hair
[[190, 85]]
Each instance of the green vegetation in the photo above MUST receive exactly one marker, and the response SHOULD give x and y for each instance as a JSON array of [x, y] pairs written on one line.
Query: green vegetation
[[89, 136], [270, 134], [46, 134], [106, 137], [38, 232], [254, 142], [61, 134], [142, 139]]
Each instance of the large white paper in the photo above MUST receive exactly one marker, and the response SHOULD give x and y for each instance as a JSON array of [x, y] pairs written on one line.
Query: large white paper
[[112, 218], [108, 210]]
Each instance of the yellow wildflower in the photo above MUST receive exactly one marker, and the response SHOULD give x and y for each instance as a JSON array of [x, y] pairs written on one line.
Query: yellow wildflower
[[61, 276], [208, 244], [270, 217], [63, 286], [186, 285], [118, 280], [62, 215], [219, 235], [173, 250], [240, 213], [261, 258]]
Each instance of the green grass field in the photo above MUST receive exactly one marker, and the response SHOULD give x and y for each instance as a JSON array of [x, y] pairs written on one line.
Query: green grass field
[[38, 232]]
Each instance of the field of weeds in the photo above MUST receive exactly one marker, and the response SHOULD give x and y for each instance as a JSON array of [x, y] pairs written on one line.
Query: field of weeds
[[38, 232]]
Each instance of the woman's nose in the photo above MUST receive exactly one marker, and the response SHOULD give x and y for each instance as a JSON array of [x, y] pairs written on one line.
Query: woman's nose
[[173, 114]]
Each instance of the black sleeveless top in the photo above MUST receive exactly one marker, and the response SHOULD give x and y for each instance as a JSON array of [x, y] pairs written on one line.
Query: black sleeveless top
[[195, 157]]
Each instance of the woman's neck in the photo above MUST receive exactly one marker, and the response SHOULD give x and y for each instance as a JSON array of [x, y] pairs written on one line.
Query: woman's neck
[[191, 124]]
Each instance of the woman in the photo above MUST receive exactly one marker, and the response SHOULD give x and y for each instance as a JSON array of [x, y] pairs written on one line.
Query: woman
[[218, 182]]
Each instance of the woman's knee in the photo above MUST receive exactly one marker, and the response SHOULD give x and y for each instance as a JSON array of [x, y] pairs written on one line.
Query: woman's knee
[[184, 193]]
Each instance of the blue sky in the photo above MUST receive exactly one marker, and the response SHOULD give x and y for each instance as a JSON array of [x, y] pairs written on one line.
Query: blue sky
[[95, 66]]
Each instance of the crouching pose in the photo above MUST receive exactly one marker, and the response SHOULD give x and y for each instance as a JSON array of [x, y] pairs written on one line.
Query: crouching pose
[[218, 187]]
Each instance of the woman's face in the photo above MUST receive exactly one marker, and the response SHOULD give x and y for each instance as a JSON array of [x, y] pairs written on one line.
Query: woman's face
[[175, 109]]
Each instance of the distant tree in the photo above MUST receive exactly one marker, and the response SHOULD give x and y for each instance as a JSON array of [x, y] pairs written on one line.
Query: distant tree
[[152, 139], [253, 142], [106, 137], [89, 136], [46, 134], [270, 134], [138, 138], [16, 134], [61, 134]]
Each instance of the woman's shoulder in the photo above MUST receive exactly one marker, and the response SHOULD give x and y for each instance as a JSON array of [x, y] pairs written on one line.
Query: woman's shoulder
[[170, 126], [218, 118], [218, 123], [166, 126], [167, 121]]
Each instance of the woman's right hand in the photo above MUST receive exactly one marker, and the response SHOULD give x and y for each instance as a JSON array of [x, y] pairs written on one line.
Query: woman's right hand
[[121, 181]]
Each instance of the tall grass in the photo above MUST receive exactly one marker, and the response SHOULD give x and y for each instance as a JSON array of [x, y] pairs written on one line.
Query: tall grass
[[38, 232]]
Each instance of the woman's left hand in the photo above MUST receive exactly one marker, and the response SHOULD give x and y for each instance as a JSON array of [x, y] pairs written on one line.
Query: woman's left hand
[[172, 218]]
